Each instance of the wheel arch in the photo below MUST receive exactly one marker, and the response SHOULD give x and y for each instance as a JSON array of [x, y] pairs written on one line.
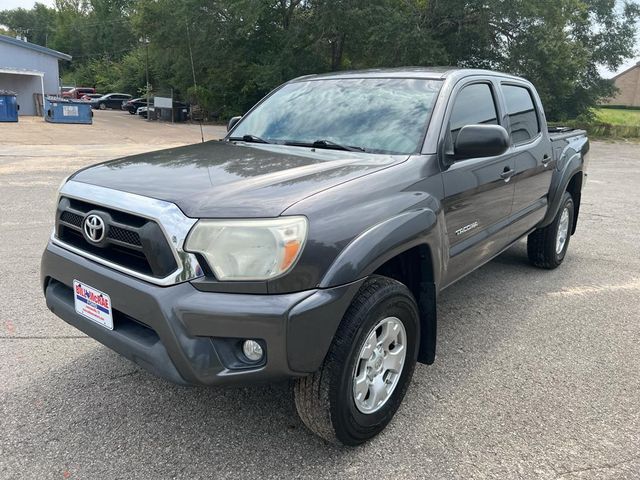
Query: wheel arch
[[407, 248], [572, 157], [560, 184], [414, 269], [381, 243]]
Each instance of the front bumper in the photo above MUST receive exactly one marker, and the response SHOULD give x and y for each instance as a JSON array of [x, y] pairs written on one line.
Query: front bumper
[[188, 336]]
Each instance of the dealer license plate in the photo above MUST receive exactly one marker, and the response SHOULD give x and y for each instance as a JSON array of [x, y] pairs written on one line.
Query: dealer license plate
[[93, 304]]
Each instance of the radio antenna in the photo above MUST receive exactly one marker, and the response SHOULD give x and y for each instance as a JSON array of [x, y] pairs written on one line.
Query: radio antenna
[[193, 72]]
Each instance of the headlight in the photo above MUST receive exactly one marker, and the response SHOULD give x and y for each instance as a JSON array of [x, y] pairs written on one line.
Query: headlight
[[249, 249]]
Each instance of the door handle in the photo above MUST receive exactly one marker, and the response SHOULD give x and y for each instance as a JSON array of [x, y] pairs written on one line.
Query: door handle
[[545, 160], [507, 174]]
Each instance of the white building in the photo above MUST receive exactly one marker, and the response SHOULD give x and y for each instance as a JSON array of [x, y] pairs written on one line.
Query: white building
[[27, 68]]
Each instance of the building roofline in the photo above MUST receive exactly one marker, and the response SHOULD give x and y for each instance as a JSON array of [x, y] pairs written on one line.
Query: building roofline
[[35, 48], [625, 71], [21, 71]]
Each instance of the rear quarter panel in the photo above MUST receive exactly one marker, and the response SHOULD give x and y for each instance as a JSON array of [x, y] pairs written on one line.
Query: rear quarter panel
[[570, 152]]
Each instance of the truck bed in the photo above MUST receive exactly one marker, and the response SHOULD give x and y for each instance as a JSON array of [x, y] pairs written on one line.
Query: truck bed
[[566, 141], [562, 133]]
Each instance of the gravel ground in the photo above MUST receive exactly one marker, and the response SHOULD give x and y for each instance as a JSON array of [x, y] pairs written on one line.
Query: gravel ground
[[537, 376]]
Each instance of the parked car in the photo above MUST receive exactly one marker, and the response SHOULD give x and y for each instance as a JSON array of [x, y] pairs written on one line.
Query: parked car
[[132, 105], [78, 92], [144, 111], [90, 96], [64, 89], [312, 241], [110, 100]]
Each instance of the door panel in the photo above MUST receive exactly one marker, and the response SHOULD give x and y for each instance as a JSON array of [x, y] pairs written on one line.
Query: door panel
[[478, 194], [532, 155], [531, 182], [477, 207]]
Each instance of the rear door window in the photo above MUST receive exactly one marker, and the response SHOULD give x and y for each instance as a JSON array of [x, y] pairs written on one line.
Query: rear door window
[[474, 105], [523, 116]]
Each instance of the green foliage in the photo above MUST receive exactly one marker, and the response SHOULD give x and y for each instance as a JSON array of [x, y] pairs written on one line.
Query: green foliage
[[618, 116], [37, 24], [241, 49], [609, 122]]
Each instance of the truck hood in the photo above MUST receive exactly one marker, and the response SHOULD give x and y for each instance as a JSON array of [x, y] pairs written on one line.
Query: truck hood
[[219, 179]]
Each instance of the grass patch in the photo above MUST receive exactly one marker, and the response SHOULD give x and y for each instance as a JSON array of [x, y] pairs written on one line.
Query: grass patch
[[612, 123], [618, 116]]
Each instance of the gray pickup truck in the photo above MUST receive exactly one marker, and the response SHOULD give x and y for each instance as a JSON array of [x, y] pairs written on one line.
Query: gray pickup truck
[[312, 241]]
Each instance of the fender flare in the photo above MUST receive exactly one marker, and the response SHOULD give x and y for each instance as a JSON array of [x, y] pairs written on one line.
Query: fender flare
[[561, 178], [375, 246]]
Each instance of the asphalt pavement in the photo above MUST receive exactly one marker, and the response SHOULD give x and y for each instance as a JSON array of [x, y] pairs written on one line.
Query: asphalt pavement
[[537, 375]]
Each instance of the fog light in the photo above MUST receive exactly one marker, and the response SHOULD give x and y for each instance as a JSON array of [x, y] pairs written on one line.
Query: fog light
[[252, 350]]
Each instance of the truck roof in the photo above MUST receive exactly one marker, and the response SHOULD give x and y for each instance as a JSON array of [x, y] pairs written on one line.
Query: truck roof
[[434, 73]]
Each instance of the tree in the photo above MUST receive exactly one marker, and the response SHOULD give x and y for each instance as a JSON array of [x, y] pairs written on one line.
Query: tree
[[242, 49], [557, 45], [37, 24]]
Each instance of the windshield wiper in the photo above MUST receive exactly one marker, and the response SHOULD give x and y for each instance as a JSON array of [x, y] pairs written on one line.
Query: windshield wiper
[[326, 144], [329, 144], [250, 138]]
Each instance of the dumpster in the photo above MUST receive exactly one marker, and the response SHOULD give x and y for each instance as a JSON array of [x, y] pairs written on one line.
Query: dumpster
[[62, 110], [182, 114], [8, 106], [164, 114]]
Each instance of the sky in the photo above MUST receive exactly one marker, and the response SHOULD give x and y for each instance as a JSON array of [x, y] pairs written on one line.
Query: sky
[[9, 4]]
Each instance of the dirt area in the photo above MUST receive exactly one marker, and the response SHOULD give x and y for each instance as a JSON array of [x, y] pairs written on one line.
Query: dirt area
[[113, 134]]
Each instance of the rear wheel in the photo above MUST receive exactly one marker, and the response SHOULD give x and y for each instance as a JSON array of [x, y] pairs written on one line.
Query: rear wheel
[[367, 370], [547, 247]]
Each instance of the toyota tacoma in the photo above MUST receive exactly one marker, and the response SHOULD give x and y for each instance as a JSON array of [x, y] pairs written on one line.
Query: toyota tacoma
[[311, 243]]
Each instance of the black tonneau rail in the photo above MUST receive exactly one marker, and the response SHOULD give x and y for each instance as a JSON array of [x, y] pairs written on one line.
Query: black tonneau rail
[[559, 129], [561, 133]]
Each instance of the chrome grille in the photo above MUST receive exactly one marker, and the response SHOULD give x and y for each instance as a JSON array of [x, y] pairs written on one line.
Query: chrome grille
[[143, 219]]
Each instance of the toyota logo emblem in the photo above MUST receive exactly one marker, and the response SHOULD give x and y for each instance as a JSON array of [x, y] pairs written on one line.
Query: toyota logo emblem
[[94, 228]]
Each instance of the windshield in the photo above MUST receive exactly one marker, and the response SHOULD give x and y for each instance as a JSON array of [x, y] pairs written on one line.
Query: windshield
[[379, 115]]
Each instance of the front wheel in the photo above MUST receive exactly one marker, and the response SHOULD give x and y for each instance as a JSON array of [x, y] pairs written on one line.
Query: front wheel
[[103, 106], [547, 247], [368, 368]]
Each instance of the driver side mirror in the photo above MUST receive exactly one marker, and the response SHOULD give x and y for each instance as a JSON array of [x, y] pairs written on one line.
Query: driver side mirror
[[232, 122], [475, 141]]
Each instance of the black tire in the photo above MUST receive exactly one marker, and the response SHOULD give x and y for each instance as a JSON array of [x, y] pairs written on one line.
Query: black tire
[[102, 106], [542, 243], [325, 400]]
